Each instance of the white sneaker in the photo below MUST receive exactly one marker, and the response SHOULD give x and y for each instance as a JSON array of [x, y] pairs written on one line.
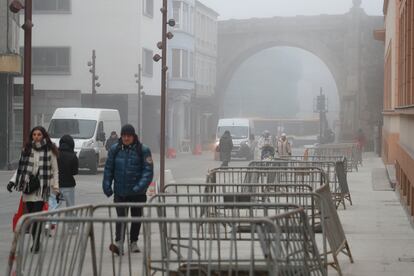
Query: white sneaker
[[134, 247]]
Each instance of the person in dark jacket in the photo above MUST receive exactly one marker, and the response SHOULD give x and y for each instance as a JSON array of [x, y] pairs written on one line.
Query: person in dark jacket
[[225, 146], [112, 140], [129, 169], [68, 167]]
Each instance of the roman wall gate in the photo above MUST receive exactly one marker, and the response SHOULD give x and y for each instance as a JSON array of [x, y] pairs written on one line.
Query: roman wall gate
[[345, 43]]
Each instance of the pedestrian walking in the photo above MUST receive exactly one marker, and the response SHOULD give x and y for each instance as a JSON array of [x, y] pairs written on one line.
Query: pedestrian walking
[[129, 170], [283, 146], [225, 146], [361, 141], [68, 167], [112, 140], [266, 146], [37, 176]]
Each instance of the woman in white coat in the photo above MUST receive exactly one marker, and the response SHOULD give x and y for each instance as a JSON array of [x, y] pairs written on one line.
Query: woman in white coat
[[37, 175]]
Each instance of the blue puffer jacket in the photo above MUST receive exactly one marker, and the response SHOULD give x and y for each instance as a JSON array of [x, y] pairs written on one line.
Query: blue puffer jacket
[[130, 173]]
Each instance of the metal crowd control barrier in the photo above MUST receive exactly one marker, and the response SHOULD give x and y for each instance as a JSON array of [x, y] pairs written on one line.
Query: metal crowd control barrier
[[315, 205], [350, 151], [334, 170], [20, 253], [308, 201], [313, 158], [312, 176], [280, 245], [335, 232], [298, 253], [236, 188]]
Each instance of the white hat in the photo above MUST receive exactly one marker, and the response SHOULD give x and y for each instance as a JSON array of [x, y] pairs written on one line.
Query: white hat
[[283, 134]]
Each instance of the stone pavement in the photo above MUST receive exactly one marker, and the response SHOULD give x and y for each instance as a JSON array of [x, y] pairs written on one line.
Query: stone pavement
[[377, 227]]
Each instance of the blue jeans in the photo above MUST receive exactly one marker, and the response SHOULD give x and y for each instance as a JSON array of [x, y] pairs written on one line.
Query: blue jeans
[[68, 196]]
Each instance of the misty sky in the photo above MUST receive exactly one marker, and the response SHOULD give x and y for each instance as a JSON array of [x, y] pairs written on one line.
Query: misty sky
[[266, 8]]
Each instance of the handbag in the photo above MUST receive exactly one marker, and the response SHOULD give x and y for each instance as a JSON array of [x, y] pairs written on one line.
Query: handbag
[[34, 184]]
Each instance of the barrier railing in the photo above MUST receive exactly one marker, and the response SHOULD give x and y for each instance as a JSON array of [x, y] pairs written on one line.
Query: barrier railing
[[282, 244], [334, 170], [350, 151]]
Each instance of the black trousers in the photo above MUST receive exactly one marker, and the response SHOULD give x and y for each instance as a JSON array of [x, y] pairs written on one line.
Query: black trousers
[[34, 207], [120, 228]]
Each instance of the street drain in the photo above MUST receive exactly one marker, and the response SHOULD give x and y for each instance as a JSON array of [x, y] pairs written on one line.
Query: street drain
[[406, 260]]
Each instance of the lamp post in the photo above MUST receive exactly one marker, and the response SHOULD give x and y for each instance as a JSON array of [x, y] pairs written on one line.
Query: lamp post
[[162, 45], [92, 65], [15, 7], [138, 76], [322, 109]]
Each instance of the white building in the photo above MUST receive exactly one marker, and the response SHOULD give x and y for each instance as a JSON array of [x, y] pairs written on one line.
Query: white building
[[123, 33], [181, 83], [205, 72], [205, 50], [192, 74]]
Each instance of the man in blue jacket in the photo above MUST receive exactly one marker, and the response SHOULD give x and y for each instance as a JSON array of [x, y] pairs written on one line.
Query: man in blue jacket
[[130, 168]]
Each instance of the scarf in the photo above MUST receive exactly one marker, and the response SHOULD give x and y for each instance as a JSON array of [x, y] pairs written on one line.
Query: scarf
[[26, 167]]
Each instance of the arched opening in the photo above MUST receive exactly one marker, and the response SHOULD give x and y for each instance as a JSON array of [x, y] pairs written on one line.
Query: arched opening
[[281, 82]]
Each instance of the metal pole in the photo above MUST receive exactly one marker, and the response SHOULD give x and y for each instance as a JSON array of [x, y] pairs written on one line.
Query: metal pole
[[27, 83], [164, 69], [93, 78], [139, 99]]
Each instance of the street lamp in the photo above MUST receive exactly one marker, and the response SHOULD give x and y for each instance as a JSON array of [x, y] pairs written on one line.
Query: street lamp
[[321, 107], [92, 65], [15, 7], [162, 45], [138, 76]]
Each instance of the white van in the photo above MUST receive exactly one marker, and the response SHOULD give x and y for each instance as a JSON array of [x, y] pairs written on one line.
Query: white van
[[241, 131], [89, 127]]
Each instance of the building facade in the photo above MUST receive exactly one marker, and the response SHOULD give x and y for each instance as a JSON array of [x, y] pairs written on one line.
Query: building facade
[[10, 67], [398, 128], [181, 83], [123, 35], [203, 108]]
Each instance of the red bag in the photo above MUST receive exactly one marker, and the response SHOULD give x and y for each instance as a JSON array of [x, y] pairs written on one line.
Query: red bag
[[46, 206], [19, 213]]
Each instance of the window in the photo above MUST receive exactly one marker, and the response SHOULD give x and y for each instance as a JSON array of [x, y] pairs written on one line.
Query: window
[[388, 81], [182, 64], [148, 8], [50, 60], [177, 13], [51, 6], [77, 128], [185, 65], [147, 63], [406, 56], [183, 14], [176, 63], [185, 17], [191, 65]]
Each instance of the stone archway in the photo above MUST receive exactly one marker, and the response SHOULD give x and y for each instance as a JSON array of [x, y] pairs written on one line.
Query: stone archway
[[344, 43]]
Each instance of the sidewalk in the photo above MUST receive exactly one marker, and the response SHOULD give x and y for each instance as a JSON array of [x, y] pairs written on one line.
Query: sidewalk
[[377, 228]]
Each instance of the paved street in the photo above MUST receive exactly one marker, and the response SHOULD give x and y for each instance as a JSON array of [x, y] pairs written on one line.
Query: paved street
[[377, 228]]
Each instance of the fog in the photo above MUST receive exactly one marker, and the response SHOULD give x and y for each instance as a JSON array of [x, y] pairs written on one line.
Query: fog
[[273, 83], [237, 9], [281, 82]]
